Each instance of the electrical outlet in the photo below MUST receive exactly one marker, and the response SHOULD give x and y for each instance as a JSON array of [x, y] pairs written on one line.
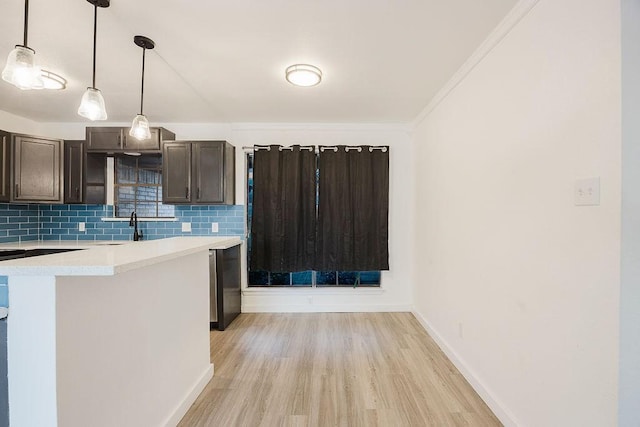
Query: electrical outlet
[[214, 227], [81, 226], [186, 227], [587, 192]]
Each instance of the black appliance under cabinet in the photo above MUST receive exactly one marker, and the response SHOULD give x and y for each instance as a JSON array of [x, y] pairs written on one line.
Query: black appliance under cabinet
[[224, 286]]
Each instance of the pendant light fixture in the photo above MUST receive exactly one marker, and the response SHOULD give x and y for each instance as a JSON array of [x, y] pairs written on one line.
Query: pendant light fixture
[[140, 126], [21, 69], [92, 105]]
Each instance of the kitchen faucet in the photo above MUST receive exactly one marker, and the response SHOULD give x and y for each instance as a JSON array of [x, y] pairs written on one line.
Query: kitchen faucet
[[133, 222]]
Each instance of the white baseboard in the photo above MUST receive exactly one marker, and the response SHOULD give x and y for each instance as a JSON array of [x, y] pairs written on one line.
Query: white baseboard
[[191, 397], [325, 308], [492, 402]]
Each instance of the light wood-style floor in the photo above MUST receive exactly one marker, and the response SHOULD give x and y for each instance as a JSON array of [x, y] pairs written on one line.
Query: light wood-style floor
[[333, 369]]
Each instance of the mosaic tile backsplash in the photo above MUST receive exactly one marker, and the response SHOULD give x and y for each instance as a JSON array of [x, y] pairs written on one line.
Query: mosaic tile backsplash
[[60, 222]]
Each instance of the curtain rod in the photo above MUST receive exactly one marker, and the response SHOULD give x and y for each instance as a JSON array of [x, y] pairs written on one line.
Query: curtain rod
[[268, 148], [312, 148]]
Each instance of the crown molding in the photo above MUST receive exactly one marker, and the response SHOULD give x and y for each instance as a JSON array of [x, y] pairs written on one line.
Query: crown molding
[[328, 127], [515, 15]]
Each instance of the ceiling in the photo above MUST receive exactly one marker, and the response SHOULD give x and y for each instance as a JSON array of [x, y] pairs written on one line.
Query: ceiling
[[224, 60]]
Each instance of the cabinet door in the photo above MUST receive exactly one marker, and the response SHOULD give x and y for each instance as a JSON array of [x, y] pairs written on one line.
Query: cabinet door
[[73, 171], [5, 166], [37, 173], [104, 139], [176, 172], [130, 143], [208, 172], [96, 179]]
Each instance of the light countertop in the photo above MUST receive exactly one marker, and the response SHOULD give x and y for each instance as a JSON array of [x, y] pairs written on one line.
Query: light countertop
[[105, 258], [60, 244]]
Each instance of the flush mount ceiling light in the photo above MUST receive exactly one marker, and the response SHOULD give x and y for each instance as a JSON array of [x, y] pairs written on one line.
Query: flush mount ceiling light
[[92, 104], [140, 126], [21, 69], [303, 75], [53, 81]]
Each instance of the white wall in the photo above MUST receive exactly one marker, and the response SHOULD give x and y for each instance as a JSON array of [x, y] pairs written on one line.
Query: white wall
[[629, 406], [396, 283], [12, 123], [518, 285]]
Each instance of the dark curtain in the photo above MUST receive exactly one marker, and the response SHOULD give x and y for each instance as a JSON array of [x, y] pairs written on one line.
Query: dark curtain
[[283, 225], [353, 209]]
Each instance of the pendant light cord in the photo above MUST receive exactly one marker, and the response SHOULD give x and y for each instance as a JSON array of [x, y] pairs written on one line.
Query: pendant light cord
[[144, 50], [95, 31], [26, 21]]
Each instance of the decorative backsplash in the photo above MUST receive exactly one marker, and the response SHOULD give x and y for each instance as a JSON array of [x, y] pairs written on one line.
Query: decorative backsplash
[[60, 222], [18, 222]]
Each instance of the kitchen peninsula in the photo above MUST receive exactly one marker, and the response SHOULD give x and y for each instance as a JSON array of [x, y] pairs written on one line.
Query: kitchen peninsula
[[112, 335]]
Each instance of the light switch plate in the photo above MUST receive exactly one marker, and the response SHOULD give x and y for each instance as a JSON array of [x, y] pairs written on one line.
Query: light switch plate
[[81, 226], [214, 227], [186, 227], [587, 192]]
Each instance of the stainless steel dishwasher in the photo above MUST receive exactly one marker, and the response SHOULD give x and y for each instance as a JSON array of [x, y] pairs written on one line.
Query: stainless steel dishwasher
[[224, 286], [213, 289]]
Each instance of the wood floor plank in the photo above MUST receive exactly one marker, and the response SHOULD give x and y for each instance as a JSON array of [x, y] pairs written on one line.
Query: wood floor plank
[[333, 369]]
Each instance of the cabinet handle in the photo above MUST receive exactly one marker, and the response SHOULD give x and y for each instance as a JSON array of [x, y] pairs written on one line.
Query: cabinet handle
[[198, 193], [124, 141], [186, 192], [77, 192], [17, 190]]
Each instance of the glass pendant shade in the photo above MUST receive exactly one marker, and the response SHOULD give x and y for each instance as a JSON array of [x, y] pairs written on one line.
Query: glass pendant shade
[[21, 69], [92, 105], [140, 127]]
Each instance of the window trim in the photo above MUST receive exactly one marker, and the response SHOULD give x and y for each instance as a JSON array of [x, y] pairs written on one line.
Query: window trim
[[110, 198], [306, 290]]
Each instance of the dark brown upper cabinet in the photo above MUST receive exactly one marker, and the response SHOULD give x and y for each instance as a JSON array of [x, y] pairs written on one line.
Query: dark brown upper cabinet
[[176, 172], [37, 169], [117, 140], [198, 172], [95, 179], [5, 166], [74, 171]]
